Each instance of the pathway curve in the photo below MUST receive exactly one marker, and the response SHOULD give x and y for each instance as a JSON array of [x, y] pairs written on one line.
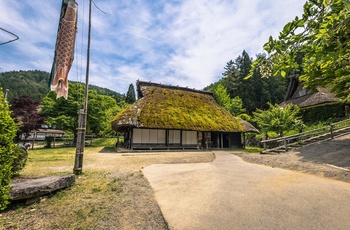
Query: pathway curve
[[229, 193]]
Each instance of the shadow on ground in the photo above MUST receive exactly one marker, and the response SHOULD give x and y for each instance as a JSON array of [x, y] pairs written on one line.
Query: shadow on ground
[[334, 152], [108, 150]]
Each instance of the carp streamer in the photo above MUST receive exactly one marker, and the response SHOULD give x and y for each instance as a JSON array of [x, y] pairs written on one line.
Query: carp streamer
[[64, 50]]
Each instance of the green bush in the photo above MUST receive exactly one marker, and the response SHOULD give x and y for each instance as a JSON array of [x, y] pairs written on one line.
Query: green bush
[[19, 161], [48, 141], [321, 112], [8, 131]]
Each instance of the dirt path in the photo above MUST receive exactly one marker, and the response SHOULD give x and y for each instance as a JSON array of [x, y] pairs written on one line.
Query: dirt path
[[329, 159], [229, 193]]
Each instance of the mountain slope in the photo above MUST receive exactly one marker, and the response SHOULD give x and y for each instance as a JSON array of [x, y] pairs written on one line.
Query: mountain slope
[[35, 84]]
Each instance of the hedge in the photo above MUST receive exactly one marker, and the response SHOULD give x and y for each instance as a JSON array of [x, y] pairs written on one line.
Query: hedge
[[322, 112], [8, 131]]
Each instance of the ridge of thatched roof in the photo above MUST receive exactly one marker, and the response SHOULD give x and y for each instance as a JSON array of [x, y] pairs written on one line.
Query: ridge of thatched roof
[[143, 86], [170, 107]]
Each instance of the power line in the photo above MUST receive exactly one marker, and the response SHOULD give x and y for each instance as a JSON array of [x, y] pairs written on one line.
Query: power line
[[98, 7], [11, 34]]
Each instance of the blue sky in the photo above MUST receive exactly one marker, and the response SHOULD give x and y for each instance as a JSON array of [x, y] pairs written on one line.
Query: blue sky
[[186, 43]]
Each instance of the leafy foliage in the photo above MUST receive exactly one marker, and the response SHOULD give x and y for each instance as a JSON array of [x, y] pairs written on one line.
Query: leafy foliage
[[315, 45], [234, 105], [130, 95], [8, 131], [255, 91], [20, 160], [276, 119], [222, 97], [25, 113], [62, 114], [34, 83], [31, 83], [322, 112]]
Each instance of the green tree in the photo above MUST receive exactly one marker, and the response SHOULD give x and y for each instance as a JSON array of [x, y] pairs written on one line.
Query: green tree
[[236, 107], [316, 46], [233, 105], [130, 95], [34, 83], [8, 131], [62, 114], [277, 119], [255, 91], [31, 83], [222, 97]]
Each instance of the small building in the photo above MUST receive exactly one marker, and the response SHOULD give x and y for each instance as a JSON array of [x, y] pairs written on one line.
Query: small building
[[298, 94], [172, 117]]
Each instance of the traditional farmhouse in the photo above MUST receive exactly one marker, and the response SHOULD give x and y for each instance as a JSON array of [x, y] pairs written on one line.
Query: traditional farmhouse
[[303, 97], [166, 117]]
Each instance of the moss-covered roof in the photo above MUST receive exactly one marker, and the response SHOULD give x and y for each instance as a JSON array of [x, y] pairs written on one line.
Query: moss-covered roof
[[169, 107]]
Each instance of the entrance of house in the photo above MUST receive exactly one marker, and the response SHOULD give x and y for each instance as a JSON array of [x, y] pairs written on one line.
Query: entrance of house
[[221, 140], [226, 140]]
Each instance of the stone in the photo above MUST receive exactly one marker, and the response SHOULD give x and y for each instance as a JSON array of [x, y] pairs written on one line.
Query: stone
[[33, 188]]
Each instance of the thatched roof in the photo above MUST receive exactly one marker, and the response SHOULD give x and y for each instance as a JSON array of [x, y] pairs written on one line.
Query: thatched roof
[[298, 95], [169, 107]]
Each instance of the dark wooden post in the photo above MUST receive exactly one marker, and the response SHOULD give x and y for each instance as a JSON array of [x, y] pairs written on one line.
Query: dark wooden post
[[331, 130], [285, 144], [244, 140], [221, 140], [79, 153]]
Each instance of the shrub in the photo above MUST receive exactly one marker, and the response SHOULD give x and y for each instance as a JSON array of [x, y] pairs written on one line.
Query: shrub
[[19, 161], [8, 131], [48, 141], [322, 112]]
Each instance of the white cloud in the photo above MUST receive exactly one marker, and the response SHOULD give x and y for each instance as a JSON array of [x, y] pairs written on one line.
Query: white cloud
[[173, 42]]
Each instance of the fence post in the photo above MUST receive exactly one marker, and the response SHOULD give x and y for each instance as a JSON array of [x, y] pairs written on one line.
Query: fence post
[[331, 130], [285, 144]]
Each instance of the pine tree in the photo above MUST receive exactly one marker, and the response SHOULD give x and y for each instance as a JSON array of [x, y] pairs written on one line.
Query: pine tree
[[130, 95]]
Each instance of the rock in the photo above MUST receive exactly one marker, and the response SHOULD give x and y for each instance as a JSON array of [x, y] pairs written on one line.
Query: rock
[[32, 188]]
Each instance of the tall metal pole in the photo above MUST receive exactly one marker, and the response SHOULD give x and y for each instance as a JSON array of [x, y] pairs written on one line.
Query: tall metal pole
[[81, 131]]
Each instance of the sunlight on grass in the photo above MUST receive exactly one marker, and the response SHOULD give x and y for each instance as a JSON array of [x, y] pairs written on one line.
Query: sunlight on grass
[[249, 149], [56, 161]]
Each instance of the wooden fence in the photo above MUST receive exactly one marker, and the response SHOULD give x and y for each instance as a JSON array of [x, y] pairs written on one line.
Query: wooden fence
[[282, 144]]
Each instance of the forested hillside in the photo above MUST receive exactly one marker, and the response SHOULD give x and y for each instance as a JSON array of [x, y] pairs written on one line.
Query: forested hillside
[[256, 91], [32, 83], [35, 84]]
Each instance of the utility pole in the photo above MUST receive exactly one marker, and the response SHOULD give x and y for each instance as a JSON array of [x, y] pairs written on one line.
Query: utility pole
[[81, 131], [6, 92]]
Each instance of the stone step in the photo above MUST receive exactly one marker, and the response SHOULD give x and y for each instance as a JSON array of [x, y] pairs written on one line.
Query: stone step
[[33, 188]]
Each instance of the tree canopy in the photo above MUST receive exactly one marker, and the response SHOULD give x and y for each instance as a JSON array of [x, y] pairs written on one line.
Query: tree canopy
[[25, 113], [62, 114], [254, 92], [34, 83], [276, 119], [234, 105], [130, 95], [8, 130], [315, 45]]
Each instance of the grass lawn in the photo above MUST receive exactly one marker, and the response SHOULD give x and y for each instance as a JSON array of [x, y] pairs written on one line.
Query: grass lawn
[[112, 192]]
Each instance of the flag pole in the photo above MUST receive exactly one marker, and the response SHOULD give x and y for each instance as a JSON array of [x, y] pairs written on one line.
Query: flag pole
[[82, 114]]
